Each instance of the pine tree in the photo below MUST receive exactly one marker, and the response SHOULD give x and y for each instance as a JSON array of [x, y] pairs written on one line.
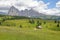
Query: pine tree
[[57, 25], [20, 26]]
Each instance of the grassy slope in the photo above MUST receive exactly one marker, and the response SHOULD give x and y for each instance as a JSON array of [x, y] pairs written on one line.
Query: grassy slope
[[13, 33], [25, 23], [28, 32]]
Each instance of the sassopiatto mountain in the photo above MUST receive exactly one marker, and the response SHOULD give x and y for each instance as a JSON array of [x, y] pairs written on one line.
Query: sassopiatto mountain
[[13, 11]]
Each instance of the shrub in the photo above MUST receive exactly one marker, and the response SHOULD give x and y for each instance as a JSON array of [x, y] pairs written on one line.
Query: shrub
[[38, 23], [55, 21], [3, 20], [57, 25], [58, 22], [44, 22], [20, 26], [31, 21], [0, 23], [8, 24]]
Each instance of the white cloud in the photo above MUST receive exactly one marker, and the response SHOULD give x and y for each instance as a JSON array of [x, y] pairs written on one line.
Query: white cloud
[[58, 4], [7, 3], [53, 11], [23, 3], [41, 7], [27, 4]]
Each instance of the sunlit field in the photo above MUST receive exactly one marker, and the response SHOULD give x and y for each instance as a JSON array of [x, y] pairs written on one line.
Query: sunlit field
[[23, 29]]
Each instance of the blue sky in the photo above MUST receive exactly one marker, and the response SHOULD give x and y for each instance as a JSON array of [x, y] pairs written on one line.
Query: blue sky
[[52, 3]]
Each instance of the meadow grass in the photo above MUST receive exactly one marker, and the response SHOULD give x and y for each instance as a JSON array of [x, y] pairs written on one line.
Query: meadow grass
[[10, 30], [13, 33]]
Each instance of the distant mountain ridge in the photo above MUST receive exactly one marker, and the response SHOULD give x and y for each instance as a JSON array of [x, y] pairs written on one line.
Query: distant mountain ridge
[[29, 13], [13, 11], [3, 13]]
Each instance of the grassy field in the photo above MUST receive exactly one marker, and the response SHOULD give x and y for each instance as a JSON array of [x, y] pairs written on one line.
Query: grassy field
[[10, 30]]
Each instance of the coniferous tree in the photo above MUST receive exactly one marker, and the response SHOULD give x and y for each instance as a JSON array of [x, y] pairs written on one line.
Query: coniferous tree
[[38, 23], [20, 26], [55, 21], [57, 25], [44, 22], [31, 21], [0, 23]]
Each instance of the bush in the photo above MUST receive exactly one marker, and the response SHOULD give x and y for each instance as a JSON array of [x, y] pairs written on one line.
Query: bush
[[58, 22], [8, 24], [20, 26], [0, 23], [3, 20], [55, 21], [44, 22], [31, 21], [38, 23], [57, 25]]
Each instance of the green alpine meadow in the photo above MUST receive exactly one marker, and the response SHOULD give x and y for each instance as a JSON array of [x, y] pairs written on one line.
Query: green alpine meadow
[[24, 28], [29, 19]]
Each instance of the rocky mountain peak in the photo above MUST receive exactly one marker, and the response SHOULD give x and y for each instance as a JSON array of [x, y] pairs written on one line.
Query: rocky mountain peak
[[13, 11]]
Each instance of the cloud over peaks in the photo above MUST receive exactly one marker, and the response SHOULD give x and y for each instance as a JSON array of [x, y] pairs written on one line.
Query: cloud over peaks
[[58, 4], [39, 6]]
